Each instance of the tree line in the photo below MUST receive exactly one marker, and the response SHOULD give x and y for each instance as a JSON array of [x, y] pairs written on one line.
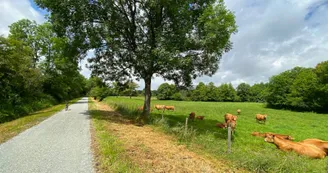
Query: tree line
[[223, 93], [37, 69], [298, 89]]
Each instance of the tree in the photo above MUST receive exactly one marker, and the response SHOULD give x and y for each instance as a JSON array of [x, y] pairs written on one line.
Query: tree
[[280, 86], [243, 91], [212, 92], [258, 92], [322, 72], [165, 91], [130, 89], [145, 38], [200, 92], [25, 31], [227, 93], [303, 90]]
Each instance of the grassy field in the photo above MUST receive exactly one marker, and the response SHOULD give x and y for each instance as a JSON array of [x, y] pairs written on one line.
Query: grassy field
[[247, 151], [13, 128]]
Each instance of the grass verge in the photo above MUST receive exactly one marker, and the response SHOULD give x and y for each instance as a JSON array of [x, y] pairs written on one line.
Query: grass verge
[[108, 151], [13, 128]]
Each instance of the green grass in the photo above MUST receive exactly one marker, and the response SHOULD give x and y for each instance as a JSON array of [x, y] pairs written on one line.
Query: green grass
[[13, 128], [249, 152], [109, 152]]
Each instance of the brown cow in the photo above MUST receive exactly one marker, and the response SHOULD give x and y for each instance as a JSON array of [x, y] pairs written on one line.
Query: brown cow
[[300, 148], [238, 111], [221, 125], [200, 117], [169, 108], [323, 145], [260, 117], [192, 116], [229, 117], [258, 134], [160, 107], [141, 108]]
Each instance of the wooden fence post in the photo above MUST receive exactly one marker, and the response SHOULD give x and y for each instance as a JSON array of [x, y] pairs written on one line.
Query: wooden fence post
[[186, 126], [229, 138]]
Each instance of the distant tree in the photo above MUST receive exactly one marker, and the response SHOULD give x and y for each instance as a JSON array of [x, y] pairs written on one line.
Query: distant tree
[[200, 92], [177, 96], [147, 38], [244, 92], [280, 86], [212, 92], [303, 90], [322, 72], [130, 89], [227, 93], [258, 92], [165, 91]]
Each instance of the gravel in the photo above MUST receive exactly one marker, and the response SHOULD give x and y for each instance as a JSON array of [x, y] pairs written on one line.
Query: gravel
[[60, 144]]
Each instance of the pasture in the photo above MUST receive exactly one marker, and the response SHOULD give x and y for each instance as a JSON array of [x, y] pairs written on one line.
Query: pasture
[[248, 152]]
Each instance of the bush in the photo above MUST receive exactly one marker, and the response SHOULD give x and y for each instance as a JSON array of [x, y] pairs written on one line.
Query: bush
[[177, 96]]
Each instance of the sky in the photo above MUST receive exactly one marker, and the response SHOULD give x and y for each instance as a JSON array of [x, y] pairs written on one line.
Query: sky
[[273, 36]]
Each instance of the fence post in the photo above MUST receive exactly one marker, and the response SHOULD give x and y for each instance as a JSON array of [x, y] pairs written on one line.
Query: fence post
[[186, 126], [229, 138]]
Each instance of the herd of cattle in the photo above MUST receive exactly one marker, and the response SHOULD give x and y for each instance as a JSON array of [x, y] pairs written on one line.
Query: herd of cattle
[[313, 148]]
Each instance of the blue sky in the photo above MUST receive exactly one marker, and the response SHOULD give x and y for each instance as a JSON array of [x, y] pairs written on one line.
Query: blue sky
[[274, 36]]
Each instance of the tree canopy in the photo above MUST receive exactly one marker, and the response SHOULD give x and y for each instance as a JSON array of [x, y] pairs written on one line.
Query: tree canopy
[[140, 39], [36, 70]]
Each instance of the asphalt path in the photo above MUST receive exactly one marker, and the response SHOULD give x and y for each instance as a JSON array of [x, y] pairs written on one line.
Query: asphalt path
[[60, 144]]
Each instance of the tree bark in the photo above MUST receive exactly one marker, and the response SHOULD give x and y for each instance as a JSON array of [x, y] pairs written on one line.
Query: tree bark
[[146, 110]]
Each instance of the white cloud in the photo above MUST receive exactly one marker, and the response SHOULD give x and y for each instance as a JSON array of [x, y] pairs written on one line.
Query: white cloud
[[14, 10], [273, 36]]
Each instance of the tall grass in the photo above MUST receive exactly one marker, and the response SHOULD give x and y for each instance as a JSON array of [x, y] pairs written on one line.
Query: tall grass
[[248, 152]]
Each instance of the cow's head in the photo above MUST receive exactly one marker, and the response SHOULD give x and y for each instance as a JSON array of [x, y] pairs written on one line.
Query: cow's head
[[269, 138]]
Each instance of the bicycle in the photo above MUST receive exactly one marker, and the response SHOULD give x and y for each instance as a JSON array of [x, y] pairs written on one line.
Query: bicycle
[[66, 107]]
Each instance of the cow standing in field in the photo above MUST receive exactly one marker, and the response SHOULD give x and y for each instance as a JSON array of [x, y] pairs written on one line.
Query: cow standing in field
[[231, 120], [192, 116], [160, 107], [238, 111], [261, 118], [229, 117], [169, 108]]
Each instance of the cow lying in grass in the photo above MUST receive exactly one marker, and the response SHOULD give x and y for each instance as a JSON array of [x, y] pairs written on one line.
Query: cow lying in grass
[[300, 148], [200, 117], [323, 145], [221, 125], [258, 134], [261, 118]]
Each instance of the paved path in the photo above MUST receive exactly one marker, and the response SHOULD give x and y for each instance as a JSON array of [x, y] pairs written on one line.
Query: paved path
[[60, 144]]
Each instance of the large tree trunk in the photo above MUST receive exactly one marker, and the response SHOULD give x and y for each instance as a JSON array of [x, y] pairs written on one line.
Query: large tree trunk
[[146, 110]]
